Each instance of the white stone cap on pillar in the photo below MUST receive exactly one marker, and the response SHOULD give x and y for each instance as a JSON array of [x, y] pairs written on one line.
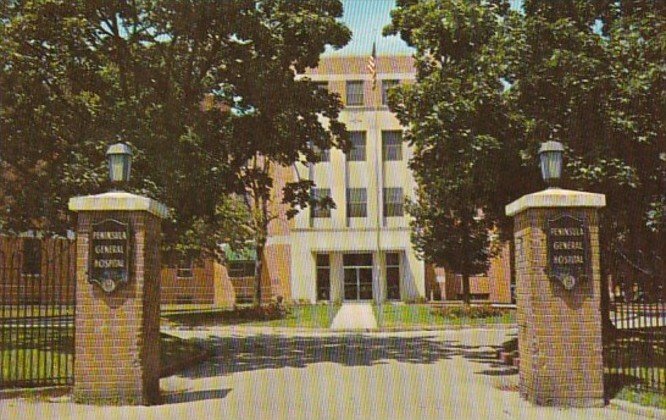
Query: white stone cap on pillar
[[118, 201], [554, 198]]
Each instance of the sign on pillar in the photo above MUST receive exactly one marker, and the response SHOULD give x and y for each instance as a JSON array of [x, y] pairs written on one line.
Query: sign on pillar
[[569, 256], [117, 299], [558, 296], [109, 260]]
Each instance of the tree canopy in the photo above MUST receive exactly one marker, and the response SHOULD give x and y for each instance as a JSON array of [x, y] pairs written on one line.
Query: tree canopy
[[592, 75], [461, 127], [493, 83], [79, 75]]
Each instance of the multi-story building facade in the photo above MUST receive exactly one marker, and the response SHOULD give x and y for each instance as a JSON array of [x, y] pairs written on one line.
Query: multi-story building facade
[[361, 250]]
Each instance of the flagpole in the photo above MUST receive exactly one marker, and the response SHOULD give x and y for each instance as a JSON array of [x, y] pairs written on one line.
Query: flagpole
[[378, 172]]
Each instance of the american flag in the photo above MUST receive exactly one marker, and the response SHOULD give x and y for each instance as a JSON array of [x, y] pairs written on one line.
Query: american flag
[[372, 66]]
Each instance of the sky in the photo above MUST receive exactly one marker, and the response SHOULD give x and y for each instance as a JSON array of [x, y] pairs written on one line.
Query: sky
[[367, 19]]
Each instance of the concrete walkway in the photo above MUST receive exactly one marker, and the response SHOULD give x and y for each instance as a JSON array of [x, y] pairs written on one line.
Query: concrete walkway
[[331, 375], [354, 316]]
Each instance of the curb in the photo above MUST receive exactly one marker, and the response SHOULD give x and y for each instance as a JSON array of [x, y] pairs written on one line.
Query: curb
[[48, 391], [59, 391], [283, 330], [174, 368], [641, 410]]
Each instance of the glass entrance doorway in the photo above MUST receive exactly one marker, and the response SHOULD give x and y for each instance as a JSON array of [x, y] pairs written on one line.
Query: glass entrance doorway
[[393, 276], [358, 276]]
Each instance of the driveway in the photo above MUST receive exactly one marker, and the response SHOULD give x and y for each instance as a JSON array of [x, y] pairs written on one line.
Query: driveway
[[264, 374]]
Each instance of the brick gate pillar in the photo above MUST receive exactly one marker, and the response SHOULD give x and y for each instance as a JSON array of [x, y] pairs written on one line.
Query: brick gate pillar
[[558, 297], [117, 299]]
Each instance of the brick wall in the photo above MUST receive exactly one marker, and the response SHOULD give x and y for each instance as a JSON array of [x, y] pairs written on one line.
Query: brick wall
[[278, 270], [349, 67], [559, 331], [198, 289], [53, 285], [117, 335], [499, 275], [210, 283], [496, 284]]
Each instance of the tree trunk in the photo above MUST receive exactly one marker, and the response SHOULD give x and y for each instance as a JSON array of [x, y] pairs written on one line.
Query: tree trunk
[[605, 256], [465, 286], [258, 268], [465, 265]]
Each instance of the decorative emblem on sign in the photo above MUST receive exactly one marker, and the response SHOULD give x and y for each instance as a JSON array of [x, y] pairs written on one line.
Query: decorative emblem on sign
[[568, 250], [109, 254]]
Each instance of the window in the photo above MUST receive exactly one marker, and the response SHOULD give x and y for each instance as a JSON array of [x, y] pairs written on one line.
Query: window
[[357, 151], [317, 209], [323, 155], [321, 84], [355, 93], [386, 85], [392, 145], [243, 268], [357, 199], [184, 269], [357, 260], [32, 257], [475, 296], [323, 277], [393, 276], [184, 299], [393, 202]]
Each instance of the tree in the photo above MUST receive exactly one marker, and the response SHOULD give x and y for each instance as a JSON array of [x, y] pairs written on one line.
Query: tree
[[462, 129], [592, 75], [79, 75], [589, 74]]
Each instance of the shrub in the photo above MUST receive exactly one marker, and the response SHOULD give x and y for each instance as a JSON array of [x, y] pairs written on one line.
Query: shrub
[[273, 310], [301, 302], [416, 300], [466, 311]]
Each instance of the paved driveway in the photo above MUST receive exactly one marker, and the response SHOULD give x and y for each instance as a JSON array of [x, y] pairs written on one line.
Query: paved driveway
[[264, 375]]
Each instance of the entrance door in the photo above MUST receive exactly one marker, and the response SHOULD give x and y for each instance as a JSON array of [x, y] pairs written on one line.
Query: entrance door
[[358, 276], [393, 276]]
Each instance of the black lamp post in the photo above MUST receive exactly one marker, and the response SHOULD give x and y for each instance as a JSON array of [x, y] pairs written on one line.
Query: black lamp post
[[120, 163], [550, 155]]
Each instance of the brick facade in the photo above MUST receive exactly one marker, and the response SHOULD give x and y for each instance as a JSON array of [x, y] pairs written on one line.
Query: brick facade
[[204, 286], [51, 284], [117, 335], [559, 331], [492, 287], [209, 284]]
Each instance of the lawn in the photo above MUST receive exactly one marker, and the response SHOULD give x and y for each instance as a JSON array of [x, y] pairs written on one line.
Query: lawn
[[179, 308], [38, 357], [36, 367], [399, 315], [646, 398], [305, 316], [634, 365], [29, 311]]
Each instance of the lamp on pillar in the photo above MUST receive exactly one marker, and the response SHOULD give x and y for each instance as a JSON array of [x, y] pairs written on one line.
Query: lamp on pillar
[[120, 163], [550, 155], [117, 241]]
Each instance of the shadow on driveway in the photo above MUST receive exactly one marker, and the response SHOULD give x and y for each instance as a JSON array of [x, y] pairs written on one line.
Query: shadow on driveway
[[179, 397], [235, 354]]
